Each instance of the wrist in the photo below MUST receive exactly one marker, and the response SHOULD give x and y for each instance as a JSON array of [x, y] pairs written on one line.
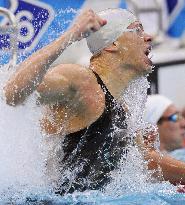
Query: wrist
[[62, 42], [73, 32]]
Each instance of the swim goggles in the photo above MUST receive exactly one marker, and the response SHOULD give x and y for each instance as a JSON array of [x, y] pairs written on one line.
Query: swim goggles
[[172, 118], [138, 30]]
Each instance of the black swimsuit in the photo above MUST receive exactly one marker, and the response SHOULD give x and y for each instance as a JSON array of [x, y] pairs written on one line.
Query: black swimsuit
[[90, 154]]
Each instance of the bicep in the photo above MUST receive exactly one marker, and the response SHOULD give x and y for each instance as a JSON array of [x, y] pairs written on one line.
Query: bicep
[[75, 92], [62, 86], [56, 91]]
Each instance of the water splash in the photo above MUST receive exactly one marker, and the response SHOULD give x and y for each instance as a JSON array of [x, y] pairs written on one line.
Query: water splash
[[23, 155], [21, 158], [132, 174], [9, 29], [24, 150]]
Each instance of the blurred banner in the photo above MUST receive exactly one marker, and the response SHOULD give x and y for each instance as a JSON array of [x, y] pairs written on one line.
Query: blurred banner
[[40, 22], [176, 12]]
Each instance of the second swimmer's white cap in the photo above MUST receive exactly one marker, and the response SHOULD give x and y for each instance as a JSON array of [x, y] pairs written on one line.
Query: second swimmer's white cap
[[117, 22], [155, 107]]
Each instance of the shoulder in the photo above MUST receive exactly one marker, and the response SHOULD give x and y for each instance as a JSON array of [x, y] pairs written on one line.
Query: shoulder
[[75, 89], [71, 78], [66, 74]]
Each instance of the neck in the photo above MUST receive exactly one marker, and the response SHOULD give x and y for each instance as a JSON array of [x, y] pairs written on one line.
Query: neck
[[115, 77]]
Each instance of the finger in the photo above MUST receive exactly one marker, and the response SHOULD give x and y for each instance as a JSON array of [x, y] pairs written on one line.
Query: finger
[[101, 21], [96, 26], [87, 12]]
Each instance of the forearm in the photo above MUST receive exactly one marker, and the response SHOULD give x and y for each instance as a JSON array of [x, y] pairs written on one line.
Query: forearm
[[172, 169], [31, 72]]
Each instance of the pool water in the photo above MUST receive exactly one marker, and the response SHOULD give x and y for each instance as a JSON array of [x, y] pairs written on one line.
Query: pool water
[[23, 157], [158, 196]]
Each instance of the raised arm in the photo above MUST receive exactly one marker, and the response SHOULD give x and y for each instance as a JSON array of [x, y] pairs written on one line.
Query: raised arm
[[31, 72]]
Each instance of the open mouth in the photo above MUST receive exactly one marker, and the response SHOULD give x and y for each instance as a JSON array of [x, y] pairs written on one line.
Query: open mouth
[[148, 55], [148, 52]]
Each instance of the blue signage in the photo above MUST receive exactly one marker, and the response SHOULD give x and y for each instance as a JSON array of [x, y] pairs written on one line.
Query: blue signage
[[176, 11], [33, 20], [39, 22]]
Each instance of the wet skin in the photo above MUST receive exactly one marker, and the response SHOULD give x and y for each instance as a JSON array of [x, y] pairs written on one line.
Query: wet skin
[[172, 134], [85, 102], [71, 96], [138, 46]]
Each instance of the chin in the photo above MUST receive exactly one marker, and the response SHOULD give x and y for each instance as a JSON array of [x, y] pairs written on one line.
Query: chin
[[142, 69], [148, 65], [148, 69]]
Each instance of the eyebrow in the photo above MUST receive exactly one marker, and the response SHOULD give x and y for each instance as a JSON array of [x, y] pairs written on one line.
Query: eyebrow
[[177, 112]]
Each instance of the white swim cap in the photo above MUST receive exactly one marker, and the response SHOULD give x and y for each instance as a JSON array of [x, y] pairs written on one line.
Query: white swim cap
[[117, 22], [155, 107]]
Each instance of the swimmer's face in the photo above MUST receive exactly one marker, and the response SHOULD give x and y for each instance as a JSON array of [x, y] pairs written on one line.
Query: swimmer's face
[[171, 133], [134, 48]]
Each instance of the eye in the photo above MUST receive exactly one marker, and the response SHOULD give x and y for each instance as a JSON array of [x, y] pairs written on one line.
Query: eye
[[174, 118], [139, 30]]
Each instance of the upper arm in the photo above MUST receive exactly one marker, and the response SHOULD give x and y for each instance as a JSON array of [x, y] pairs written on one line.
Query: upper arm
[[75, 92]]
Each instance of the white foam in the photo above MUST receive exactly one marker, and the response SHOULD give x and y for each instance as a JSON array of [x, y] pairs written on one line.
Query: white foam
[[132, 174], [22, 162]]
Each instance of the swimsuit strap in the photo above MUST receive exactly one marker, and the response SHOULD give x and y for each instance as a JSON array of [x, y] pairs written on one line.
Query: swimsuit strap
[[109, 99]]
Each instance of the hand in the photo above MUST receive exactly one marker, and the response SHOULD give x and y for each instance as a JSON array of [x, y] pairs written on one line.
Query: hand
[[146, 147], [86, 23], [146, 142], [150, 139]]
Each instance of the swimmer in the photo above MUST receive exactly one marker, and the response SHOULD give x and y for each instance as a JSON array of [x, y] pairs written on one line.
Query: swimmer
[[162, 112], [82, 104]]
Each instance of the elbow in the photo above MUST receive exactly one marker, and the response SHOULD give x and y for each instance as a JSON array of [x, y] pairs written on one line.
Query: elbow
[[9, 99], [10, 96]]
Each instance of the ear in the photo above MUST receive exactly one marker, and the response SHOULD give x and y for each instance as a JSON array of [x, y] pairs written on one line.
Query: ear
[[112, 48]]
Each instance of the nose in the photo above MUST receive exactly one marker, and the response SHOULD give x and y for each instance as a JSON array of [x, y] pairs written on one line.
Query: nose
[[148, 37]]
